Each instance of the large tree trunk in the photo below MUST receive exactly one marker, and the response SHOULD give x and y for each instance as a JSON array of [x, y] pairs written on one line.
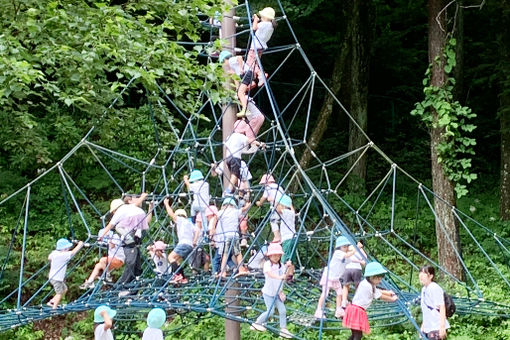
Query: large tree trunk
[[458, 93], [361, 34], [446, 225], [504, 111]]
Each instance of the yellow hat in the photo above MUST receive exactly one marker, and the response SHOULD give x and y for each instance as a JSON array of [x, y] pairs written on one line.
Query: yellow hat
[[267, 12], [115, 204], [181, 212]]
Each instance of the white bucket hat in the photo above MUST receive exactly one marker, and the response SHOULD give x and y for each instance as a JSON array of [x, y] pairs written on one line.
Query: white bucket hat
[[267, 12]]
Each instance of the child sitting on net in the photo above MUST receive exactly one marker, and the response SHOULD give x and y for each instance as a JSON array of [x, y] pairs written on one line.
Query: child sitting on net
[[200, 188], [114, 260], [159, 257], [59, 258]]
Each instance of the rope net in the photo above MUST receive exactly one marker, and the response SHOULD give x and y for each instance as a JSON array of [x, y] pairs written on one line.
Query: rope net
[[325, 209]]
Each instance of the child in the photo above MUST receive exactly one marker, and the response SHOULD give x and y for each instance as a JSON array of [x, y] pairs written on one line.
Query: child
[[263, 28], [235, 145], [272, 292], [433, 308], [200, 189], [155, 320], [353, 273], [216, 240], [185, 233], [58, 266], [243, 180], [258, 258], [114, 260], [234, 65], [331, 276], [227, 228], [252, 123], [287, 233], [355, 315], [273, 193], [103, 322], [158, 255]]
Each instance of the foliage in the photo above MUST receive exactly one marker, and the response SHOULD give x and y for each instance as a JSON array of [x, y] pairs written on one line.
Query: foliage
[[455, 147]]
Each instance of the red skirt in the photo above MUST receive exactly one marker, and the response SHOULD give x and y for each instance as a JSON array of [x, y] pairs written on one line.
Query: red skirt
[[356, 318]]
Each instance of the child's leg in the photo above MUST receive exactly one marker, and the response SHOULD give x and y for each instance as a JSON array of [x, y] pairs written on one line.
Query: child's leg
[[345, 294], [268, 300], [217, 261], [242, 95], [320, 305], [255, 124], [356, 335], [282, 311], [56, 300], [232, 183], [99, 267]]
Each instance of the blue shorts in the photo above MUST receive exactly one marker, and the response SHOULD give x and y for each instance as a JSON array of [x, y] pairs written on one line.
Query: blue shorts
[[183, 250]]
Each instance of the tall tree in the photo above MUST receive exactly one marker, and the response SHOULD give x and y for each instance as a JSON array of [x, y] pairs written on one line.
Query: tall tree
[[504, 109], [446, 224]]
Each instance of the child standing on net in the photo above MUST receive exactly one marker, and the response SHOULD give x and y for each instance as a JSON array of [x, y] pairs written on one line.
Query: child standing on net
[[331, 276], [103, 322], [287, 233], [272, 292], [200, 188], [353, 273], [58, 266], [273, 193], [355, 315]]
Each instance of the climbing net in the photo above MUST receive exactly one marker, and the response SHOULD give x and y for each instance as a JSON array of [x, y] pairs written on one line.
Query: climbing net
[[325, 208]]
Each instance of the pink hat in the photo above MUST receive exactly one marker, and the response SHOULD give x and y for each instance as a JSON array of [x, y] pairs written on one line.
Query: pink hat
[[274, 249], [267, 178], [160, 245]]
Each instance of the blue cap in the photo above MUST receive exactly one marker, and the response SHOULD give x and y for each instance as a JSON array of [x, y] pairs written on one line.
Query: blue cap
[[156, 318], [63, 244], [224, 55], [374, 269], [195, 176], [342, 241], [229, 201], [98, 318]]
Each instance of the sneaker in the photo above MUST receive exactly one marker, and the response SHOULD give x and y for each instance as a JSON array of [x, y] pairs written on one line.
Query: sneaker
[[124, 293], [284, 333], [319, 314], [340, 312], [87, 285], [244, 243], [49, 303], [243, 270], [108, 277], [183, 281], [243, 113], [257, 327]]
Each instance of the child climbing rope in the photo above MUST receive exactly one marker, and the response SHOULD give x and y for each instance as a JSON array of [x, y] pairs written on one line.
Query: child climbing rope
[[227, 228], [185, 233], [155, 320], [263, 28], [355, 315], [103, 322], [272, 292], [200, 188], [159, 257], [251, 124], [243, 181], [287, 234], [353, 273], [114, 260], [433, 308], [331, 276], [273, 193], [59, 258]]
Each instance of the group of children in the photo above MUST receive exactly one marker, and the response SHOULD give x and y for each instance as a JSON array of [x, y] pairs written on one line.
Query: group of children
[[226, 229]]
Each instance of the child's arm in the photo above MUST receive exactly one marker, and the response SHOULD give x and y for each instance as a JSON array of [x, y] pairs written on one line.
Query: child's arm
[[169, 210], [197, 233], [186, 181], [149, 212], [256, 20], [213, 170], [107, 320], [212, 229], [150, 249], [261, 201], [388, 295], [77, 248], [274, 276], [139, 200]]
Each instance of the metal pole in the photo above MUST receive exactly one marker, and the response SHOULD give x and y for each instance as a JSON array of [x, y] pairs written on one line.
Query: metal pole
[[228, 29]]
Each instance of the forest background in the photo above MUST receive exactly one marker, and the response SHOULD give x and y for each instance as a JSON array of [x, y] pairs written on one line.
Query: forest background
[[56, 81]]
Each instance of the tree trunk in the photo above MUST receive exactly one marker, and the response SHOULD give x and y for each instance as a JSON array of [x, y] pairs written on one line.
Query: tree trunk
[[446, 224], [504, 111], [458, 92], [361, 33]]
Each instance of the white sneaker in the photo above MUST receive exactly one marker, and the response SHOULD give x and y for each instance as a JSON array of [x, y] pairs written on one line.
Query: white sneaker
[[257, 327], [108, 277], [284, 333], [244, 243], [87, 285], [124, 293], [339, 313], [319, 314]]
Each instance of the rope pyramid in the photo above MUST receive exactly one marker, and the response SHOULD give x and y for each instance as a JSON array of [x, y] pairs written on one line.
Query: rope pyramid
[[324, 207]]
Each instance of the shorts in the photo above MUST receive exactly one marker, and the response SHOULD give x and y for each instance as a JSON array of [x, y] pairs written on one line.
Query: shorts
[[289, 246], [114, 262], [59, 286], [231, 242], [248, 78], [234, 166], [199, 258], [183, 250], [351, 276]]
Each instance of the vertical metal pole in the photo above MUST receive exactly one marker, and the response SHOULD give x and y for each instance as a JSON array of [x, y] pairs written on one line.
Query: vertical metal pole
[[228, 30], [23, 249]]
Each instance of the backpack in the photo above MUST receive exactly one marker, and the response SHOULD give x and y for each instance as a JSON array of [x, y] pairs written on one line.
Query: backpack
[[449, 305]]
